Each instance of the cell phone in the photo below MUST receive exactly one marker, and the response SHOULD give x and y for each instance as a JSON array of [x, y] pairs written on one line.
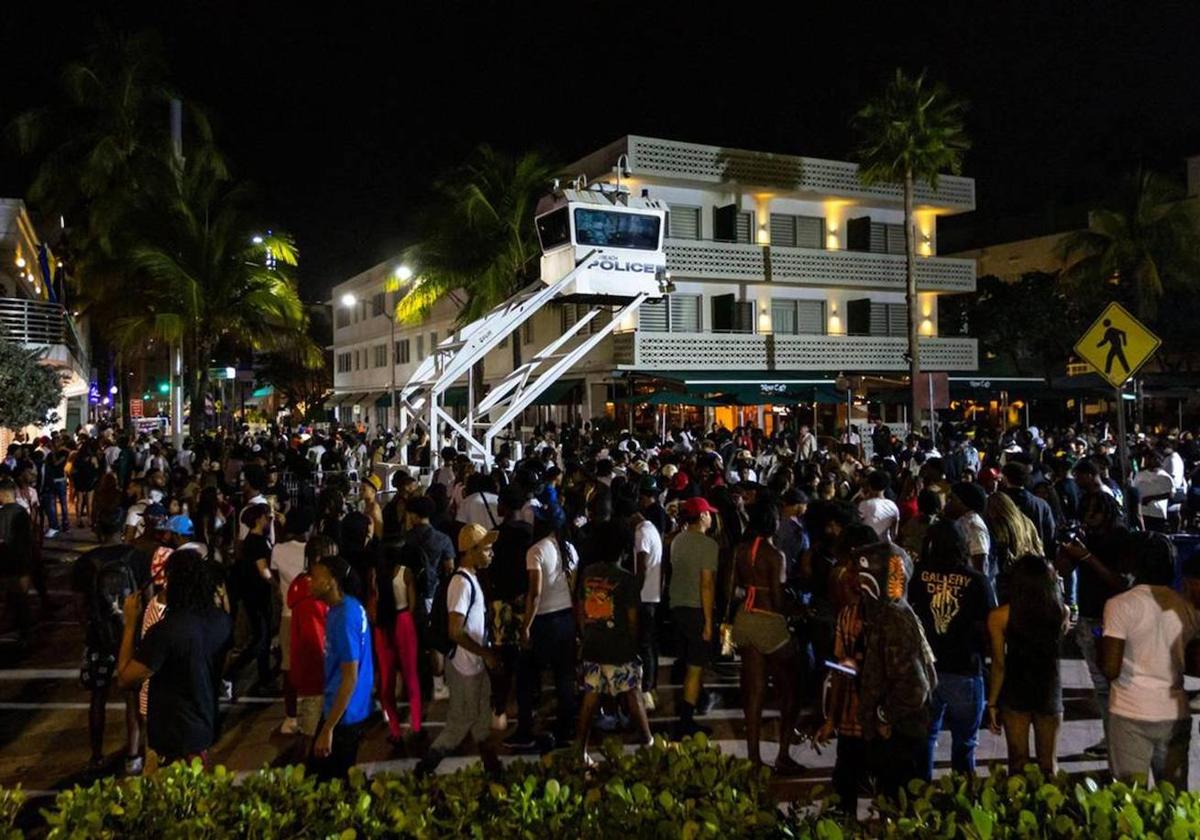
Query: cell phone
[[838, 666]]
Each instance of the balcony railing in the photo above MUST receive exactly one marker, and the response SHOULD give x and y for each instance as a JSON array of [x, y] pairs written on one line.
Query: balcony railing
[[707, 260], [36, 323], [643, 350], [654, 157]]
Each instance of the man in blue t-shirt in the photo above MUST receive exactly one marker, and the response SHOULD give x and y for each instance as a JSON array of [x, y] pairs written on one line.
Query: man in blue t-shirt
[[349, 677]]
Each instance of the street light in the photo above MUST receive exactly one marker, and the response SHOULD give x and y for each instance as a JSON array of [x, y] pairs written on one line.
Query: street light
[[349, 299], [404, 273]]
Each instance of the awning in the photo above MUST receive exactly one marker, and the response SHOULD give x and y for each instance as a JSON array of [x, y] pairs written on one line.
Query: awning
[[342, 399], [455, 397], [384, 401], [369, 399], [560, 393], [263, 392]]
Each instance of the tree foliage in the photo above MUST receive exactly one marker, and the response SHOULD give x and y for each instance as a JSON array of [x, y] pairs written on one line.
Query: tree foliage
[[479, 237], [1143, 243], [31, 390]]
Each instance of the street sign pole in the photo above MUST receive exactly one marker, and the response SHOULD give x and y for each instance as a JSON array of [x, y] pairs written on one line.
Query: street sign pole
[[1122, 439]]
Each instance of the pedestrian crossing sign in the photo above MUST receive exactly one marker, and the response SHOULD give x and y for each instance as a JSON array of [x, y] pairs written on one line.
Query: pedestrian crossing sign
[[1117, 344]]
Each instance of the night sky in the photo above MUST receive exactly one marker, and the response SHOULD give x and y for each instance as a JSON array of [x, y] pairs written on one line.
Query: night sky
[[343, 116]]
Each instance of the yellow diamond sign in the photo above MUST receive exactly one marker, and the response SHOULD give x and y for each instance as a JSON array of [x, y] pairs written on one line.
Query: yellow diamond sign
[[1117, 345]]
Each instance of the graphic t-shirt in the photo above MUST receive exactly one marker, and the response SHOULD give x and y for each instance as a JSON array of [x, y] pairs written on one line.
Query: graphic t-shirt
[[606, 593], [348, 639], [953, 602]]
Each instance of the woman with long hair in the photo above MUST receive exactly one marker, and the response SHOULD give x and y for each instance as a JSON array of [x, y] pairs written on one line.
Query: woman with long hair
[[393, 594], [85, 475], [761, 633], [1013, 536], [1026, 685]]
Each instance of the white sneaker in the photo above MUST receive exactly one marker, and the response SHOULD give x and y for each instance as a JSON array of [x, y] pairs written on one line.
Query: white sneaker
[[290, 726], [440, 692], [648, 700], [134, 765], [499, 722], [51, 534], [226, 690]]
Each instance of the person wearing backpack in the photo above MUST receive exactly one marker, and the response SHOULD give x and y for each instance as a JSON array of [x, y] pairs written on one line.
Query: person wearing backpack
[[898, 677], [468, 655], [102, 578]]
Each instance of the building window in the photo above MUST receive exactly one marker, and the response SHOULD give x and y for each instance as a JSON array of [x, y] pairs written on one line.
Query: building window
[[683, 222], [380, 355], [432, 343], [744, 231], [343, 363], [887, 238], [420, 347], [889, 319], [673, 313], [797, 317], [405, 351], [789, 231], [341, 317], [377, 304]]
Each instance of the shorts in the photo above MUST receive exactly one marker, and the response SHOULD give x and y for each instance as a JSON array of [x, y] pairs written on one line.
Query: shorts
[[602, 678], [97, 669], [285, 643], [308, 714], [689, 627], [766, 632]]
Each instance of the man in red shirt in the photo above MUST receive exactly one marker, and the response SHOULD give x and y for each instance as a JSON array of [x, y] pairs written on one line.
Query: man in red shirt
[[307, 673]]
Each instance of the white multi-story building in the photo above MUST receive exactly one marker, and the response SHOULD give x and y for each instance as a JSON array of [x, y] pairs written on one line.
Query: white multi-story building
[[33, 312], [787, 272]]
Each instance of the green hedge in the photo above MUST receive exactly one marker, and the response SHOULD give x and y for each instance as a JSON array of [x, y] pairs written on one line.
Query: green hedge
[[688, 790]]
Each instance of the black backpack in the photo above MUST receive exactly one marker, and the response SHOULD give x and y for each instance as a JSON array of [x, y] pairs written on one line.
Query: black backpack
[[439, 617], [114, 582]]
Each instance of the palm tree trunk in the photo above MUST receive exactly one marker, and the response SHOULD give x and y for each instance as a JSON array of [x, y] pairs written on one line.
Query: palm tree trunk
[[195, 390], [910, 298]]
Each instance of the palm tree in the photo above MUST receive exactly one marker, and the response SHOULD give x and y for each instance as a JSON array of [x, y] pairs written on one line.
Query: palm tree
[[210, 277], [1145, 240], [479, 245], [104, 151], [912, 132], [100, 144]]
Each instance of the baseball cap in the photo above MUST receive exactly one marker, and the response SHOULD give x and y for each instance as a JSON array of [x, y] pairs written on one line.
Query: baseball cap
[[695, 506], [972, 496], [181, 525], [474, 535], [648, 485]]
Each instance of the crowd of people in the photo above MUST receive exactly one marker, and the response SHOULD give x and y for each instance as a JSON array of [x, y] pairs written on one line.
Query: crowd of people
[[878, 590]]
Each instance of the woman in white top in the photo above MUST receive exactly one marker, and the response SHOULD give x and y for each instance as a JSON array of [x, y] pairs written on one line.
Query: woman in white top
[[548, 627]]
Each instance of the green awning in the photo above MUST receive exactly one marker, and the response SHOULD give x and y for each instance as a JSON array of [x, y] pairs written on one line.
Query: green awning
[[455, 397], [264, 391], [560, 393], [385, 401], [775, 393]]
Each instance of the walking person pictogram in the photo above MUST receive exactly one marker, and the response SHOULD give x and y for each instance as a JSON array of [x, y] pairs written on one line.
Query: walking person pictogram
[[1116, 341]]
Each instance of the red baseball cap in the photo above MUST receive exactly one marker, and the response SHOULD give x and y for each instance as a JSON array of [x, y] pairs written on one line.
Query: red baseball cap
[[695, 506]]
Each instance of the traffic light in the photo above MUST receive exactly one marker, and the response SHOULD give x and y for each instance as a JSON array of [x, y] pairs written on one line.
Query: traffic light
[[164, 387]]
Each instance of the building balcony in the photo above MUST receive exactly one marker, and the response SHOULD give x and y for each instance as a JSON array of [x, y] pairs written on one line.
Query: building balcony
[[648, 351], [41, 325], [702, 259], [672, 161]]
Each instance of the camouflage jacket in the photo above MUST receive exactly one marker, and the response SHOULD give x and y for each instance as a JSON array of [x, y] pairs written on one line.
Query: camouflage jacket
[[898, 676]]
